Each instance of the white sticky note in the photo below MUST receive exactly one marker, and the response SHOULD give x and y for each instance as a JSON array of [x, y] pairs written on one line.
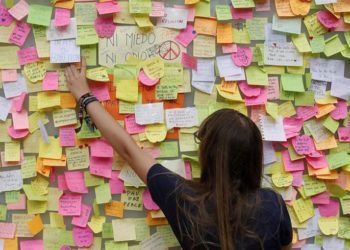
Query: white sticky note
[[60, 33], [10, 180], [149, 113], [13, 89], [173, 18], [181, 117], [64, 51], [325, 69], [285, 54], [5, 108]]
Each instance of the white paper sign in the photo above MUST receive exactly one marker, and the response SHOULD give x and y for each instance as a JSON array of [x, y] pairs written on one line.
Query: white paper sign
[[272, 130], [319, 2], [13, 89], [205, 70], [64, 51], [60, 33], [149, 113], [340, 88], [325, 69], [5, 106], [227, 67], [285, 54], [173, 18], [204, 86], [10, 180], [181, 117], [272, 36]]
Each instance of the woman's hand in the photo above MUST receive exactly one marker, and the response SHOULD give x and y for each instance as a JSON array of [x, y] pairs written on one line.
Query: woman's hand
[[76, 80]]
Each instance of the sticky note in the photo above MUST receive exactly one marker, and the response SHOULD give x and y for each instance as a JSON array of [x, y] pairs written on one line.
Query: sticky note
[[19, 10], [39, 14]]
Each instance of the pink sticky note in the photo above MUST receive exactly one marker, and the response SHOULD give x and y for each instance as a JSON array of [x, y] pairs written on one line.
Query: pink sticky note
[[101, 166], [107, 7], [317, 162], [83, 236], [100, 90], [189, 62], [70, 204], [188, 170], [145, 80], [9, 75], [186, 36], [7, 230], [20, 33], [18, 101], [61, 182], [344, 134], [31, 244], [19, 205], [273, 89], [17, 134], [20, 10], [116, 185], [307, 113], [248, 90], [302, 144], [243, 57], [341, 110], [229, 48], [327, 19], [292, 126], [5, 17], [105, 26], [76, 182], [330, 209], [27, 55], [131, 126], [242, 13], [191, 11], [148, 201], [101, 148], [157, 9], [297, 178], [322, 198], [20, 120], [67, 136], [50, 81], [289, 165], [263, 5], [257, 100], [62, 17], [82, 220]]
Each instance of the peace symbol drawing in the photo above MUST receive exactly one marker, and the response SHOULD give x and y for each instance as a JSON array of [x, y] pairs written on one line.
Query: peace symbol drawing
[[169, 50]]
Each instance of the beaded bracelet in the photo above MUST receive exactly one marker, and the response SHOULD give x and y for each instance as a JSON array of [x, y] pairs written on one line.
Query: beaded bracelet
[[84, 101]]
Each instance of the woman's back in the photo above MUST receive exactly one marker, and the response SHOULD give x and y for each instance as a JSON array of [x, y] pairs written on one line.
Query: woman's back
[[270, 222]]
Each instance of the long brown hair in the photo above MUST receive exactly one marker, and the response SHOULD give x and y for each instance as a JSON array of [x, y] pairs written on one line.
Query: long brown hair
[[225, 197]]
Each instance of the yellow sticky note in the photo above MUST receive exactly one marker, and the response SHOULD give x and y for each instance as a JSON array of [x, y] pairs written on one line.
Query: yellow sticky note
[[96, 223], [143, 21], [48, 99], [56, 220], [241, 35], [86, 35], [328, 225], [99, 74], [9, 58], [154, 67], [12, 151], [304, 209], [272, 109], [333, 46], [301, 43], [51, 150], [256, 76], [34, 119], [35, 71], [127, 90], [229, 96], [156, 132], [123, 230], [64, 117], [35, 225], [282, 179]]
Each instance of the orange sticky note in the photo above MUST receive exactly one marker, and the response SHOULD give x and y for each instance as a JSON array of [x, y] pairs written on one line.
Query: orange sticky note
[[35, 225], [67, 101], [332, 176], [41, 169], [11, 244], [65, 4], [155, 222], [283, 8], [55, 163], [328, 143], [322, 171], [300, 7], [228, 86], [224, 33], [324, 110], [205, 26], [115, 208]]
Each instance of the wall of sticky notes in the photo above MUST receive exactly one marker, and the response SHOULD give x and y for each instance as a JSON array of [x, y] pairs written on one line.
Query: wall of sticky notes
[[159, 68]]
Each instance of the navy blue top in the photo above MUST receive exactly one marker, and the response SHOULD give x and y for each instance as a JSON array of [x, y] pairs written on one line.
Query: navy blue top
[[272, 224]]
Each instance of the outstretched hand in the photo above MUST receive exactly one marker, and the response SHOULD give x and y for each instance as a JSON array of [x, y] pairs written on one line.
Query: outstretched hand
[[76, 80]]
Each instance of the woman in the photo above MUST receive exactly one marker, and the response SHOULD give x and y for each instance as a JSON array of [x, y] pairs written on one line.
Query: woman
[[227, 208]]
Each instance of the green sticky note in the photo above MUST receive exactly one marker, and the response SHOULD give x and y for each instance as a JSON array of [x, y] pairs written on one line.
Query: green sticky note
[[92, 180], [103, 194], [346, 52], [333, 46], [336, 191], [86, 35], [286, 95], [113, 245], [173, 74], [237, 4], [347, 37], [256, 28], [107, 230], [331, 124], [317, 44], [3, 212], [301, 43], [308, 79], [306, 98], [90, 54], [338, 160], [223, 12], [140, 6], [292, 82], [293, 154], [286, 25], [313, 186], [86, 133], [39, 14], [169, 149], [202, 9], [256, 76], [241, 35], [12, 196]]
